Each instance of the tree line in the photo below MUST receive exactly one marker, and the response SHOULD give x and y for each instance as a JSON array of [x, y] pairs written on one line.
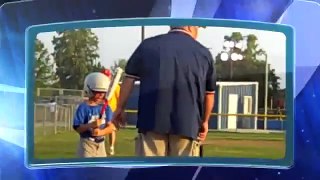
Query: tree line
[[76, 54]]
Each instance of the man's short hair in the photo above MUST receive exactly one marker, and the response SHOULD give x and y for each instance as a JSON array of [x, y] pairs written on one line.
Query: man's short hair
[[182, 27], [177, 27]]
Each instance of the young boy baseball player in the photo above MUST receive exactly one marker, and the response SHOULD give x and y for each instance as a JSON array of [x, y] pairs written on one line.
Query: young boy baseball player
[[86, 121]]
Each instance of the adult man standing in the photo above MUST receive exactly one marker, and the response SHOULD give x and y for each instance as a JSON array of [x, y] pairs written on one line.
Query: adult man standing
[[177, 85]]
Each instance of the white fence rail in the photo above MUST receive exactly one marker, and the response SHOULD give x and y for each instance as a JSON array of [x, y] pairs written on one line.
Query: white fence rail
[[50, 92]]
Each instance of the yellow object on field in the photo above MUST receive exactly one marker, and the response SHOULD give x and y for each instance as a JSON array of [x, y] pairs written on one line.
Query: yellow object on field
[[113, 102]]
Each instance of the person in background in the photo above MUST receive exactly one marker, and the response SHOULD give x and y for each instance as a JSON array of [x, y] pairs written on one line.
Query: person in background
[[113, 105], [52, 107], [279, 113], [177, 86]]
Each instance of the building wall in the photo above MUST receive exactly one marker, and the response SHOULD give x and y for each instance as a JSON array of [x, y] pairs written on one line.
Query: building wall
[[241, 90]]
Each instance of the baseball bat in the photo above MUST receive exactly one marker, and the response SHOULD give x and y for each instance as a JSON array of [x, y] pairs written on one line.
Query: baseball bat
[[113, 85]]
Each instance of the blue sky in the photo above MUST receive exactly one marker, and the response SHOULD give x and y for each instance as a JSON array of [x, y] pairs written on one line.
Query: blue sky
[[119, 42]]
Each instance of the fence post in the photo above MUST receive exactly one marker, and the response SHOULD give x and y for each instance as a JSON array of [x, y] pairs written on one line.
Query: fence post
[[38, 92], [44, 120], [281, 124], [65, 118], [72, 116], [69, 118], [55, 119]]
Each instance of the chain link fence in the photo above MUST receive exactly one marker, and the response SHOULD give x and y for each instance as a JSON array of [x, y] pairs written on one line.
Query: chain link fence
[[54, 114], [53, 119]]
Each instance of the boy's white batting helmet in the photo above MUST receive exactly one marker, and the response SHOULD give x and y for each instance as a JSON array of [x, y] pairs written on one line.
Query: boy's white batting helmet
[[96, 82]]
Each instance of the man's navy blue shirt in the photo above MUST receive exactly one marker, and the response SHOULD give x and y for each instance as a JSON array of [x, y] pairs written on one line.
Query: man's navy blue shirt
[[175, 72]]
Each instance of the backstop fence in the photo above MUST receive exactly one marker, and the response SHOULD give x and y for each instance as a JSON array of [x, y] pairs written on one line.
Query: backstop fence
[[53, 119], [57, 118]]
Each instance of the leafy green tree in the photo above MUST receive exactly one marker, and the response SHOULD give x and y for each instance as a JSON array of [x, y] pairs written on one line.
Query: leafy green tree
[[75, 54], [250, 68], [44, 73]]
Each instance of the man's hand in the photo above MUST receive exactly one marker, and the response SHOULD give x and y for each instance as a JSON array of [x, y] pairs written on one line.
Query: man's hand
[[119, 118], [203, 131]]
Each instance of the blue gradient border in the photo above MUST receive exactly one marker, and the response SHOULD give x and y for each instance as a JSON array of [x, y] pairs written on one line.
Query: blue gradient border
[[284, 163]]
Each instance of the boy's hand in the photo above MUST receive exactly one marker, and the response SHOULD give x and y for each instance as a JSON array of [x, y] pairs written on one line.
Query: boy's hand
[[102, 132], [97, 123], [97, 132]]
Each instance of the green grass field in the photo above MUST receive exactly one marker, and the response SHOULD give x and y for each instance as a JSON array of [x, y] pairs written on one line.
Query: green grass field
[[220, 144]]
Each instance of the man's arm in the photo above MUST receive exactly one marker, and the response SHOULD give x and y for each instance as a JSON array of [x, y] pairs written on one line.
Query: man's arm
[[210, 91], [209, 100], [125, 91], [209, 103]]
